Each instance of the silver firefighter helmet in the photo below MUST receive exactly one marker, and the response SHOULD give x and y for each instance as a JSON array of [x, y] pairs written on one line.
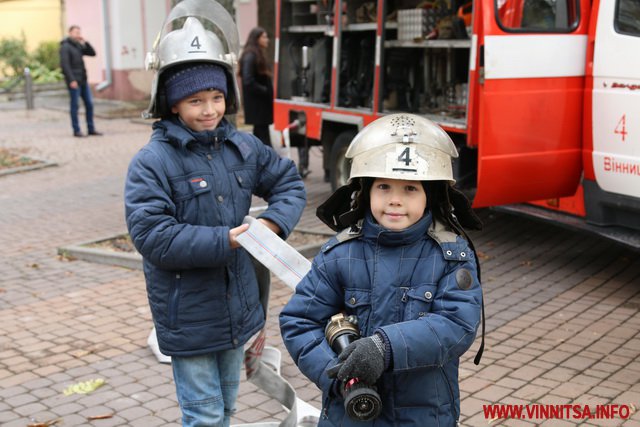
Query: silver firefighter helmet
[[402, 146], [192, 42]]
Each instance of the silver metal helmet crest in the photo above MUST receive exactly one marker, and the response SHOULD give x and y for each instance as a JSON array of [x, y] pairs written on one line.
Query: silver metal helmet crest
[[402, 146], [194, 43]]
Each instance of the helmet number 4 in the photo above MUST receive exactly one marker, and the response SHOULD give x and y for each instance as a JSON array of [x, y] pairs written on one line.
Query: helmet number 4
[[405, 156], [404, 160], [196, 43]]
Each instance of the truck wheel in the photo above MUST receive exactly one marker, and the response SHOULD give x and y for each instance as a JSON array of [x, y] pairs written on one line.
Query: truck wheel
[[339, 166]]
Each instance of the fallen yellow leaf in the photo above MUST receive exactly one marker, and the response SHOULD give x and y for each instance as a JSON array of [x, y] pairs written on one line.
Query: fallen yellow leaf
[[84, 387]]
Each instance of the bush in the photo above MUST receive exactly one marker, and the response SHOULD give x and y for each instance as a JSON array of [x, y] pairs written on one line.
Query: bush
[[44, 63], [13, 56], [42, 74], [48, 54]]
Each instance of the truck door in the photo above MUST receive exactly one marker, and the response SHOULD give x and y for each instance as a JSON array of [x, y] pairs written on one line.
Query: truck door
[[616, 99], [530, 93]]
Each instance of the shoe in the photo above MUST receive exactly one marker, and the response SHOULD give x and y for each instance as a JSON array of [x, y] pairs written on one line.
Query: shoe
[[304, 172], [78, 134], [95, 133]]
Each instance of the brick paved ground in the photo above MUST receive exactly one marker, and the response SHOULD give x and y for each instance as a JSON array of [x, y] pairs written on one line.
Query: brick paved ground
[[563, 309]]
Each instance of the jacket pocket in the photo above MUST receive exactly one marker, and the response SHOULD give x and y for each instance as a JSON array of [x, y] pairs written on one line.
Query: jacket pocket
[[244, 178], [453, 392], [192, 196], [243, 279], [242, 197], [201, 297], [419, 301], [421, 388], [174, 301], [358, 303]]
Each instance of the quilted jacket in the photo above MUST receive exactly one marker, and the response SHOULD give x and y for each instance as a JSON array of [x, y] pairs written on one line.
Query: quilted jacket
[[71, 62], [184, 192], [419, 288]]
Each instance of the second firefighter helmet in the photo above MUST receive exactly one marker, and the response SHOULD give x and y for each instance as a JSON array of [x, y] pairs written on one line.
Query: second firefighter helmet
[[402, 146], [194, 31], [397, 146]]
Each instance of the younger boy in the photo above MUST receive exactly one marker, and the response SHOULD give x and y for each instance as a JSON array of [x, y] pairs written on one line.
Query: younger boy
[[406, 272]]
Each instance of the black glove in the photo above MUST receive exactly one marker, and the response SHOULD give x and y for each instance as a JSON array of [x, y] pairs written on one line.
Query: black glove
[[363, 359]]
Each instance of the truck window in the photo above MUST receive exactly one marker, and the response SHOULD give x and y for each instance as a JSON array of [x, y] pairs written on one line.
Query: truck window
[[537, 15], [627, 20]]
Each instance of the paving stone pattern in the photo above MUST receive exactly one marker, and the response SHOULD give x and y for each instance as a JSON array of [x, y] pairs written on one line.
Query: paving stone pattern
[[562, 309]]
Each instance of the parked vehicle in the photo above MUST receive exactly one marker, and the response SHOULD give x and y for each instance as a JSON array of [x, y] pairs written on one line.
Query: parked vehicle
[[541, 97]]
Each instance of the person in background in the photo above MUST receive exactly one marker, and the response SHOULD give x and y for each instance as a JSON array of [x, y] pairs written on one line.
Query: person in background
[[186, 194], [257, 85], [72, 49], [257, 92]]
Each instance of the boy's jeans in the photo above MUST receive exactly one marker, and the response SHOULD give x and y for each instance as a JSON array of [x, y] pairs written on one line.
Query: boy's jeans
[[84, 92], [207, 387]]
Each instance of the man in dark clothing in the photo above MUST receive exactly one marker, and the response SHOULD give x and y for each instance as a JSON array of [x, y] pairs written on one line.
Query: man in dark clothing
[[72, 49]]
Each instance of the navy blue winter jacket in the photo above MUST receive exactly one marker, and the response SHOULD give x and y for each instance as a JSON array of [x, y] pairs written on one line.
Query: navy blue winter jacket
[[419, 288], [184, 192]]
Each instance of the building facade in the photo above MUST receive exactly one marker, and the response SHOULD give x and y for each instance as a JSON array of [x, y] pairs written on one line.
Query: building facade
[[38, 20], [122, 32]]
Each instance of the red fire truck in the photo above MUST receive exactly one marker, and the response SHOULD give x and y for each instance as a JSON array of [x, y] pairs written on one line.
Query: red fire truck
[[541, 97]]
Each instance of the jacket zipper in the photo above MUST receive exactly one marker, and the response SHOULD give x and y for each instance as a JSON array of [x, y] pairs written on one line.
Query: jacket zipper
[[325, 410]]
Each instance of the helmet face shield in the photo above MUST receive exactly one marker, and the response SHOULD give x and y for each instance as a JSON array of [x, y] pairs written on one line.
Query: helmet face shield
[[191, 42], [402, 146]]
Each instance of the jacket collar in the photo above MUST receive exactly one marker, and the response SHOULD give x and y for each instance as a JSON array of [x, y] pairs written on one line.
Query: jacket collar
[[72, 41], [180, 136], [374, 231]]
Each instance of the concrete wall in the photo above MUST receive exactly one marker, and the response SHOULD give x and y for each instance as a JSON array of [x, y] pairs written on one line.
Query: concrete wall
[[87, 14], [122, 32], [38, 20], [246, 17]]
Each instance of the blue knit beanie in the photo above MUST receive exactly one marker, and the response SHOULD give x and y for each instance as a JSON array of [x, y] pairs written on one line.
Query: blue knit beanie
[[183, 81]]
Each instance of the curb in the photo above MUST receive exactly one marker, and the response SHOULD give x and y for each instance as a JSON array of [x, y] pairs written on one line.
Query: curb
[[41, 165], [80, 251], [133, 261]]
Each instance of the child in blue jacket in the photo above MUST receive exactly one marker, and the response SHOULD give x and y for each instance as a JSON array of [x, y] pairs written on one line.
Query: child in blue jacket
[[187, 192], [403, 275]]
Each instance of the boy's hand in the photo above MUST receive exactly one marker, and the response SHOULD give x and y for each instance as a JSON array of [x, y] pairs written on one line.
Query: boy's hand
[[362, 359], [235, 232], [270, 225]]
